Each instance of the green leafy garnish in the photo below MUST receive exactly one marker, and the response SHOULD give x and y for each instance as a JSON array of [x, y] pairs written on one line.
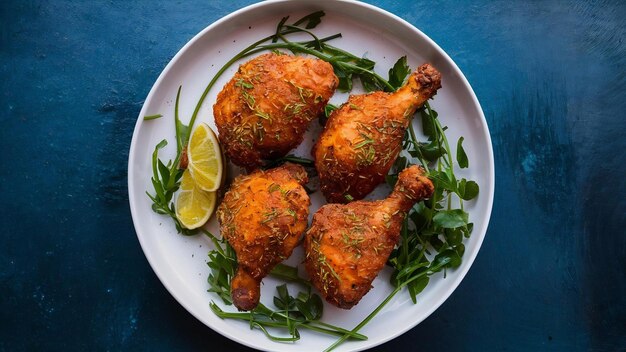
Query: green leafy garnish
[[399, 72], [438, 266], [329, 108], [303, 311], [432, 226], [461, 157], [166, 177]]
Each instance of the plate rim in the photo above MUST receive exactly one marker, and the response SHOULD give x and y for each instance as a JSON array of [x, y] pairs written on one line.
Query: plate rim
[[490, 159]]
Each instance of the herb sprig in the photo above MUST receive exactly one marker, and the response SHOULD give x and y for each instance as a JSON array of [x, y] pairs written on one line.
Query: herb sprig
[[166, 176], [303, 311]]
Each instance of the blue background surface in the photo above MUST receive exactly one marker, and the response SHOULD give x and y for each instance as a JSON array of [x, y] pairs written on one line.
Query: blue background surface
[[551, 77]]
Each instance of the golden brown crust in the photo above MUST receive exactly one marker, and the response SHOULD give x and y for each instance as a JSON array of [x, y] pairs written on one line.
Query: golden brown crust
[[347, 245], [263, 216], [264, 110], [362, 139]]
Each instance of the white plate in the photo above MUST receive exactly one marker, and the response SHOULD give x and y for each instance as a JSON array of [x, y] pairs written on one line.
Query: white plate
[[180, 262]]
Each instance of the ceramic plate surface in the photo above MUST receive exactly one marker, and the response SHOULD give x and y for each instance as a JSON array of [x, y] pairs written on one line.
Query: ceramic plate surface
[[180, 262]]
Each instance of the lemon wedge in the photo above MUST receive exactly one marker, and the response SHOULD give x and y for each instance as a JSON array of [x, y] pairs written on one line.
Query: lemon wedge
[[205, 158], [194, 206]]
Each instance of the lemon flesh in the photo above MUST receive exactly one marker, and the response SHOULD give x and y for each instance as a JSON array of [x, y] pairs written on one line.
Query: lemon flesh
[[194, 206], [205, 158]]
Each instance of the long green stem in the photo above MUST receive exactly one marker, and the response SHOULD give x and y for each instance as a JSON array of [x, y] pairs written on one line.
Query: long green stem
[[268, 311], [300, 48], [367, 319], [404, 235], [446, 144], [311, 325]]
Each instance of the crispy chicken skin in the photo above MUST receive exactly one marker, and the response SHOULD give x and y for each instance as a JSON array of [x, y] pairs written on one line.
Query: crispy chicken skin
[[348, 244], [264, 110], [362, 139], [263, 216]]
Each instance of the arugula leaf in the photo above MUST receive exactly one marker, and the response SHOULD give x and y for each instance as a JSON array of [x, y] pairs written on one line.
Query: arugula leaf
[[182, 130], [164, 171], [450, 257], [399, 72], [467, 230], [428, 125], [166, 177], [310, 305], [461, 157], [369, 84], [417, 286], [453, 236], [283, 300], [451, 218], [345, 79], [328, 109]]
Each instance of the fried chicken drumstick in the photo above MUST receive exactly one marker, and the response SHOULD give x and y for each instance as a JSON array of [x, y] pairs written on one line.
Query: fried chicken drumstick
[[347, 245], [362, 139], [264, 110], [263, 216]]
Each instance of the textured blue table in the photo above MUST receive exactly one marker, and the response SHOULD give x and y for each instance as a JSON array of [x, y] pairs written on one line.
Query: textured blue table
[[550, 76]]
